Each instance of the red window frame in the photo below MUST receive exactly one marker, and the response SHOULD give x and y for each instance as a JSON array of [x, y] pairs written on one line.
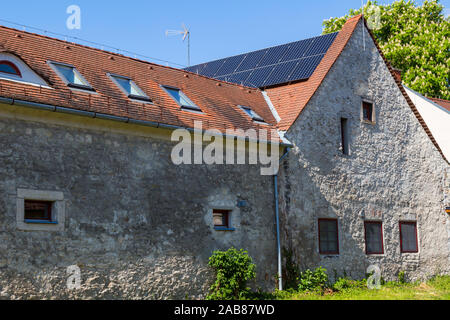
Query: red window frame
[[367, 106], [12, 65], [337, 236], [381, 235], [401, 238]]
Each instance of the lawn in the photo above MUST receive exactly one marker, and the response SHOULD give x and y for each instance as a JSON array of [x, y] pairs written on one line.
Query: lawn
[[437, 288]]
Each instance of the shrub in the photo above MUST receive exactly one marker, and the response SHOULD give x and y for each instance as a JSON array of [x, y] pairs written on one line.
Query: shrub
[[313, 280], [233, 269]]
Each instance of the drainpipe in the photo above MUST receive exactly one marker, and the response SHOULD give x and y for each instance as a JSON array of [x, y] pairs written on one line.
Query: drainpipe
[[277, 217]]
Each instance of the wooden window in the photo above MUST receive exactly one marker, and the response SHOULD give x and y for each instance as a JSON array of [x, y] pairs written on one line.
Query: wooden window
[[374, 237], [328, 236], [367, 111], [38, 210], [408, 237], [221, 218], [344, 136], [9, 68]]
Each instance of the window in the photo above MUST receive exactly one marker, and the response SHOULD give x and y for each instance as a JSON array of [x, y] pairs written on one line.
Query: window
[[9, 68], [181, 98], [344, 136], [129, 88], [408, 237], [221, 219], [38, 210], [367, 111], [252, 114], [70, 75], [328, 236], [374, 237]]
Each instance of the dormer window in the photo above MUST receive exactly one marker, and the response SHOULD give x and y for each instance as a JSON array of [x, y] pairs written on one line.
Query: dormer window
[[181, 99], [252, 114], [9, 68], [70, 75], [129, 88]]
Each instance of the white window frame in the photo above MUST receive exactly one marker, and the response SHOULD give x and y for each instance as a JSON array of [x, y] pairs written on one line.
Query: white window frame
[[73, 86], [57, 222], [192, 108], [374, 114], [138, 98], [254, 116]]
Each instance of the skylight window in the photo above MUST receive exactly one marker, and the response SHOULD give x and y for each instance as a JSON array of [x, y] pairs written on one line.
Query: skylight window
[[70, 75], [252, 114], [9, 68], [181, 98], [129, 88]]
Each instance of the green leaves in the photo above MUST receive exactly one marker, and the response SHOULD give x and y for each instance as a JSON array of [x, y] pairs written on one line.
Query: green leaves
[[233, 269], [415, 39], [313, 280]]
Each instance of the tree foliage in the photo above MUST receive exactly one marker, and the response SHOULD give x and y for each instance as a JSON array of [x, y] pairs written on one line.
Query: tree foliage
[[415, 39]]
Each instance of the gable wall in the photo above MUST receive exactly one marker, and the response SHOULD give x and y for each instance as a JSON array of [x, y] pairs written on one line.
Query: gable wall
[[393, 173]]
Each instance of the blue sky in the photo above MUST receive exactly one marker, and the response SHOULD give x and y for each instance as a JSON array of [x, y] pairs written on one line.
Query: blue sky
[[218, 28]]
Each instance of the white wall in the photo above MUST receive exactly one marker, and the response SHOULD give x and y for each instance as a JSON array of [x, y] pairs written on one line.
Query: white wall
[[436, 117]]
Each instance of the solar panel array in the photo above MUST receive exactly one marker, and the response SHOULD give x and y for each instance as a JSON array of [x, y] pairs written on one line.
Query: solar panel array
[[289, 62]]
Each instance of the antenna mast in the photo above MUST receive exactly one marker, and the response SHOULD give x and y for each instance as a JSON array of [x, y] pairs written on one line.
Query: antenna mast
[[186, 35]]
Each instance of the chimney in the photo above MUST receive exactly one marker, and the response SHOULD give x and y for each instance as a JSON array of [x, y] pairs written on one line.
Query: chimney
[[397, 74]]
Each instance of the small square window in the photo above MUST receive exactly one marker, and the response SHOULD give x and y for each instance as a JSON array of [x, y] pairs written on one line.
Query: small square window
[[129, 88], [181, 98], [367, 111], [374, 237], [70, 75], [408, 237], [221, 219], [38, 210], [328, 236]]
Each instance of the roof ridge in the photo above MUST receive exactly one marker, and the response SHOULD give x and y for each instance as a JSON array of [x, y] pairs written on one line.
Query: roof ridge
[[121, 55]]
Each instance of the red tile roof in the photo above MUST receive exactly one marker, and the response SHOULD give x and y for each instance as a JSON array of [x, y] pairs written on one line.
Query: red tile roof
[[443, 103], [218, 100]]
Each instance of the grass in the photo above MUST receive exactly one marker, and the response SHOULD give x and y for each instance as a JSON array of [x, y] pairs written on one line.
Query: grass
[[438, 288]]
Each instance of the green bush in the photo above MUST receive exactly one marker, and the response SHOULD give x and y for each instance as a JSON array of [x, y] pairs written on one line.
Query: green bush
[[402, 277], [233, 269], [313, 280]]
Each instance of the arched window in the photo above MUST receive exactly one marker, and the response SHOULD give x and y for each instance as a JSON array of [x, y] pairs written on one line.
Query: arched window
[[9, 68]]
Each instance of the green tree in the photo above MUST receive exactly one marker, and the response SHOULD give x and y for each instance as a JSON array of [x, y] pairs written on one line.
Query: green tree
[[415, 39]]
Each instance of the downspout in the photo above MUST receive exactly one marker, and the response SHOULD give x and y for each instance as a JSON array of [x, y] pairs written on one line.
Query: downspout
[[277, 217]]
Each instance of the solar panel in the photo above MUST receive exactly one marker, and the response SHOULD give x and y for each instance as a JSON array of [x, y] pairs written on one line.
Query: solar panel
[[212, 67], [281, 73], [305, 68], [251, 60], [289, 62], [230, 65], [297, 50], [258, 76], [273, 55], [321, 44]]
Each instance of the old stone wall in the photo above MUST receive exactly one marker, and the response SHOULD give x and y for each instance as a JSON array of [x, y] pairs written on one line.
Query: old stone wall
[[393, 173], [137, 226]]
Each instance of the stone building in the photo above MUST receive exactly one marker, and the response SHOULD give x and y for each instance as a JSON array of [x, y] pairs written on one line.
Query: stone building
[[87, 180]]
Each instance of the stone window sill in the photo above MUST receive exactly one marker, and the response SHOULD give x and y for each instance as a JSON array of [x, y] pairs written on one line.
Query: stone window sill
[[224, 229], [40, 222]]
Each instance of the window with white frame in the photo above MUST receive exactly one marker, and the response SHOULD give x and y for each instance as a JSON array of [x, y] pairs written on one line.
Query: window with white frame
[[70, 75], [129, 87], [183, 101]]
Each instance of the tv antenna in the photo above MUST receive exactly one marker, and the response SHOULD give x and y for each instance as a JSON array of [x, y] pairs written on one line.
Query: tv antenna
[[186, 33]]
